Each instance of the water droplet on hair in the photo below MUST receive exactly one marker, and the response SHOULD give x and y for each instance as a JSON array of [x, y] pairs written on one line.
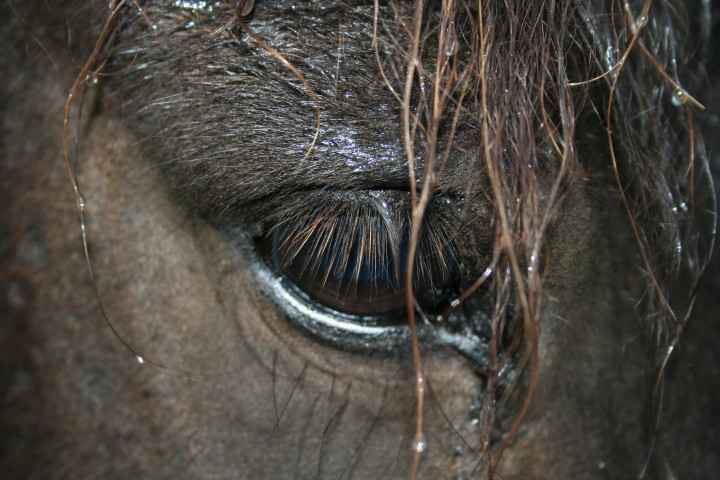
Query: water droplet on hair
[[81, 202], [420, 446], [641, 21], [450, 42], [679, 98], [140, 359]]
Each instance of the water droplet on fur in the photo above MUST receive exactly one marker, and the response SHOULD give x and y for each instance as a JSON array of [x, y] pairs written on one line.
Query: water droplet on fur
[[140, 359], [17, 293], [610, 55], [190, 5], [641, 21]]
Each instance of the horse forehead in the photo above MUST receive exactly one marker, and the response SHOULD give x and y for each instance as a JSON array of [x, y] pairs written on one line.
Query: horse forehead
[[272, 125]]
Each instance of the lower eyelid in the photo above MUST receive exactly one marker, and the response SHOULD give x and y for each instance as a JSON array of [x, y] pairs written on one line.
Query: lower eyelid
[[331, 328], [346, 334]]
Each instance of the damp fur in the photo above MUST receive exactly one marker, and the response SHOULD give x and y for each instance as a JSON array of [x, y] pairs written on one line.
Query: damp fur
[[523, 81]]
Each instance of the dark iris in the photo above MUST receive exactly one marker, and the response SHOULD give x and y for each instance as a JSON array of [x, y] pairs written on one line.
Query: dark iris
[[357, 267]]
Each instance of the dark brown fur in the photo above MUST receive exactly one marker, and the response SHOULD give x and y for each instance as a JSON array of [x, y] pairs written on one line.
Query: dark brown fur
[[566, 132]]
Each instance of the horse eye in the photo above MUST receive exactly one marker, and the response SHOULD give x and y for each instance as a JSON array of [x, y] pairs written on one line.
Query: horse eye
[[356, 267], [335, 263]]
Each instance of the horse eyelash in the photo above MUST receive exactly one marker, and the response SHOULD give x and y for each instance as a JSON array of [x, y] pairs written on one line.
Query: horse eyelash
[[330, 233], [347, 228]]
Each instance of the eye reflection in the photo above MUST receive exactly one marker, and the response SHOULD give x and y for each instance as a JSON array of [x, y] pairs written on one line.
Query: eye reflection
[[351, 260]]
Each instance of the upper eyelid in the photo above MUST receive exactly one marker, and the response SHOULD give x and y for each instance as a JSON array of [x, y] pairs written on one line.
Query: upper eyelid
[[392, 206], [445, 234], [396, 199]]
